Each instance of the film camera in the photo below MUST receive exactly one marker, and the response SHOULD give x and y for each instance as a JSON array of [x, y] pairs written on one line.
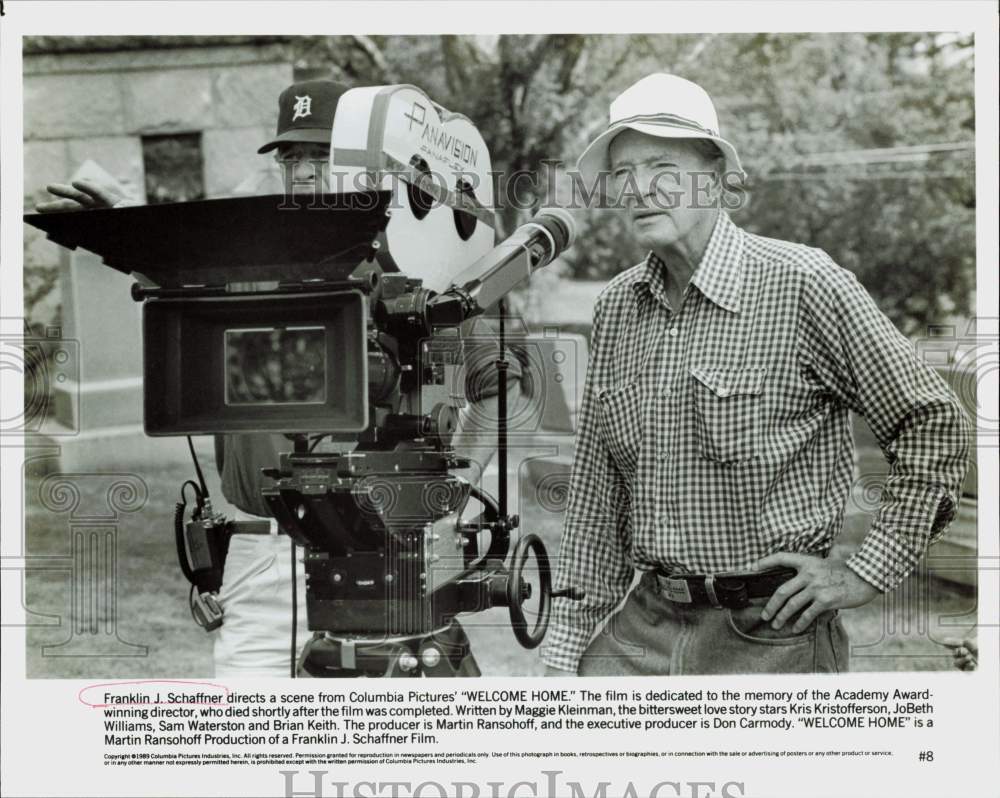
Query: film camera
[[336, 316]]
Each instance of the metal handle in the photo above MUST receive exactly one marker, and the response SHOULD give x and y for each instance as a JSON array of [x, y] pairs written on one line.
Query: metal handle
[[518, 591]]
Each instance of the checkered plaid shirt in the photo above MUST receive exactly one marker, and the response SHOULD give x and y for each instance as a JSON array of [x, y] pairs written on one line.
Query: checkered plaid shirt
[[717, 434]]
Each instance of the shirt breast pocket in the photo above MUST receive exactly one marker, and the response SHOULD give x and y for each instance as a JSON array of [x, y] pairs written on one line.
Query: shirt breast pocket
[[621, 423], [728, 409]]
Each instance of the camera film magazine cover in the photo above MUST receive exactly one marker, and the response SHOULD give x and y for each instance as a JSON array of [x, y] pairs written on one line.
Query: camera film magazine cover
[[385, 348]]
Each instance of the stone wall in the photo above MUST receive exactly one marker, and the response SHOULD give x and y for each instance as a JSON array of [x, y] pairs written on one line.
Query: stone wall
[[94, 98], [88, 101]]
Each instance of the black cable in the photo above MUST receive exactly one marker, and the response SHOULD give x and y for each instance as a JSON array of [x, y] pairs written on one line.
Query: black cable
[[199, 497], [197, 468], [499, 533], [191, 605], [317, 440], [486, 500], [295, 608]]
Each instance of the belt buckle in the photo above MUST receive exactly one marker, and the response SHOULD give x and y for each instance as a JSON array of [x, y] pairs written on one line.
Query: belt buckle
[[677, 590]]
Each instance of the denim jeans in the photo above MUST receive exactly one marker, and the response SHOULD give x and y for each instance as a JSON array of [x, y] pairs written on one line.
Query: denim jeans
[[651, 636]]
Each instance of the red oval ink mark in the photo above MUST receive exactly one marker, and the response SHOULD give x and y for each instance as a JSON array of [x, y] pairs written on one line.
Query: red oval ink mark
[[82, 698]]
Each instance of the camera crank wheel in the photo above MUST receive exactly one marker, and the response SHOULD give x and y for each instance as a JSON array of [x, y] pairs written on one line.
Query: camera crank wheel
[[518, 591]]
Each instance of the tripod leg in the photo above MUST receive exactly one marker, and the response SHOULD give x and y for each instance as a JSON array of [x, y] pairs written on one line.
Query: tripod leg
[[469, 667], [457, 659]]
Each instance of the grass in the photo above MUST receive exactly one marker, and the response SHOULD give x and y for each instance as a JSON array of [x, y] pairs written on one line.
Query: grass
[[150, 590], [899, 632]]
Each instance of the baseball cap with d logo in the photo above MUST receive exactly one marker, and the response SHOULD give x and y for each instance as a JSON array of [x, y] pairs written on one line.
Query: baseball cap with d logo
[[305, 113]]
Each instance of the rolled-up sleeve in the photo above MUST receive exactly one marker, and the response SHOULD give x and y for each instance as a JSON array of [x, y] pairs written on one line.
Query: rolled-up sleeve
[[596, 532], [918, 421]]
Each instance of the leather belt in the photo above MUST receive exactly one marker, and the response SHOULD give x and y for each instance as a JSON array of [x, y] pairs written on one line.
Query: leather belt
[[245, 523], [722, 591], [249, 528]]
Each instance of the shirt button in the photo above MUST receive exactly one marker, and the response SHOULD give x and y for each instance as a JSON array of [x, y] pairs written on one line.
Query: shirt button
[[662, 455], [672, 332], [665, 392]]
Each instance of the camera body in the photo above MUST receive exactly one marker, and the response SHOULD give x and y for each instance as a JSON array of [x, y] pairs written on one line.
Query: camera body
[[337, 317]]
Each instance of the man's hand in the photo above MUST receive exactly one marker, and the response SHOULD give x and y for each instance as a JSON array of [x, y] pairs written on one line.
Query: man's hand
[[965, 653], [80, 195], [819, 585]]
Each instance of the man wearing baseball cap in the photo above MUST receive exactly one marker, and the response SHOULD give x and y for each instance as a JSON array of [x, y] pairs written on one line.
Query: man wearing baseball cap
[[714, 456], [302, 140], [305, 114], [256, 594]]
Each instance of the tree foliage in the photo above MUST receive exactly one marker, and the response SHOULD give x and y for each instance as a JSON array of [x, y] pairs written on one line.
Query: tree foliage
[[809, 113]]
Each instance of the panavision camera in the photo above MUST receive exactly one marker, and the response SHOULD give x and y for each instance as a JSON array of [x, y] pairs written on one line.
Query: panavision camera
[[337, 315]]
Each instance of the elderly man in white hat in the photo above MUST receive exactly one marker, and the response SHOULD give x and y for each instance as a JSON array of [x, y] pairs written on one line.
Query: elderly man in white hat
[[714, 456]]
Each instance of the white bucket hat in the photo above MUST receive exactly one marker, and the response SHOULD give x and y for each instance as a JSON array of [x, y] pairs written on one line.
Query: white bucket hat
[[659, 105]]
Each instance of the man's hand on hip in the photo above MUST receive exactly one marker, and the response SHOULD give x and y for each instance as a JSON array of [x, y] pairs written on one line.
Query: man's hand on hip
[[820, 585]]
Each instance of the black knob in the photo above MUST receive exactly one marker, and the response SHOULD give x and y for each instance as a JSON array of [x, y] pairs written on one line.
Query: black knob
[[572, 593]]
